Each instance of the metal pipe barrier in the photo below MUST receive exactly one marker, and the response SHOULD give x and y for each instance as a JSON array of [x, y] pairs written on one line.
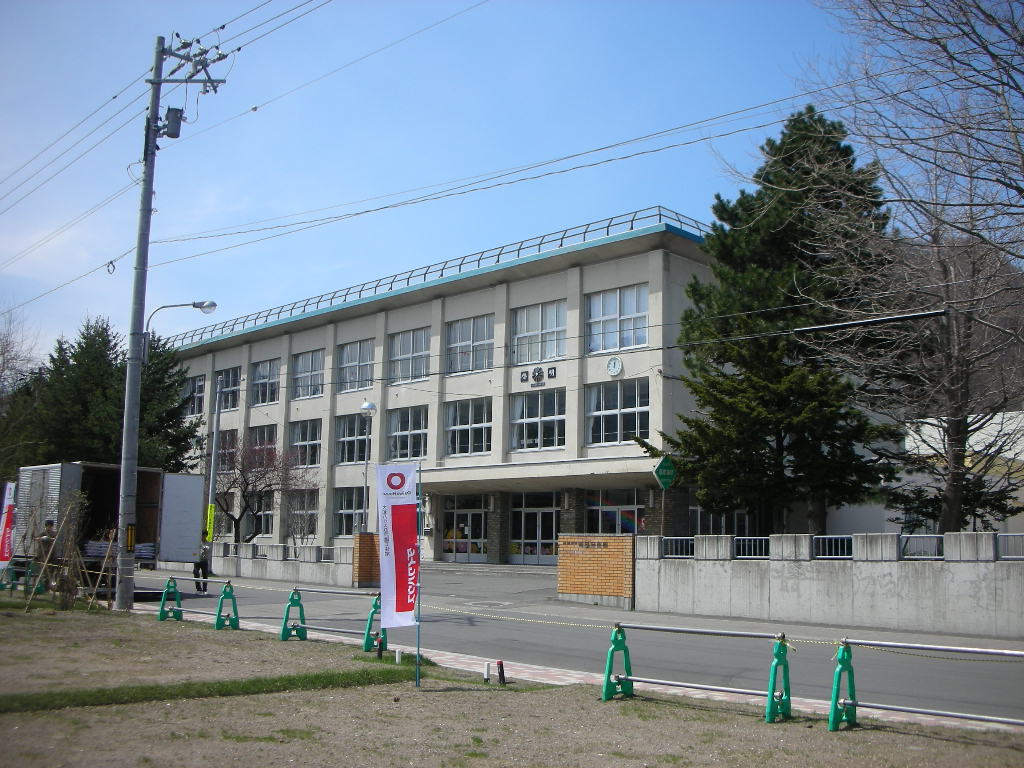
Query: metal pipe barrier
[[176, 612], [778, 701], [299, 628], [844, 710]]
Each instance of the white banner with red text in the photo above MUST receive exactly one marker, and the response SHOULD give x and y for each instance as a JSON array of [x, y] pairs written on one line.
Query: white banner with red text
[[7, 526], [397, 524]]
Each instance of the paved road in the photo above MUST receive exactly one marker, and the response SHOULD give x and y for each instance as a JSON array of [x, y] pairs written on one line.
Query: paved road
[[512, 613]]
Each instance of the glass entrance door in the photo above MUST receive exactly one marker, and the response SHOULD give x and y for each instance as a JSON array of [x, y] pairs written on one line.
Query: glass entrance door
[[534, 529], [465, 536]]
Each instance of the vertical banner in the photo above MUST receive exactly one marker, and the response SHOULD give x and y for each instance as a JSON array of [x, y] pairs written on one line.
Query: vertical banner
[[7, 526], [398, 543]]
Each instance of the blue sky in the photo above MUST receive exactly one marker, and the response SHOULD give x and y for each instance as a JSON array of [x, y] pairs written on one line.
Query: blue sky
[[503, 84]]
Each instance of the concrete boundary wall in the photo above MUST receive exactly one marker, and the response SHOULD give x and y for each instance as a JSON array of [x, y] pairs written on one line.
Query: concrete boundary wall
[[306, 570], [969, 592]]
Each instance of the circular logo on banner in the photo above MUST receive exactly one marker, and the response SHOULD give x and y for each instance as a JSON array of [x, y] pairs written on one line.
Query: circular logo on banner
[[395, 481]]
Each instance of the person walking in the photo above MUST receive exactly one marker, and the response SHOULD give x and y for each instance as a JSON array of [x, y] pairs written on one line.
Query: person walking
[[201, 567]]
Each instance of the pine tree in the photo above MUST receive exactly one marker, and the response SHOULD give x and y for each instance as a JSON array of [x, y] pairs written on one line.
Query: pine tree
[[79, 403], [776, 434]]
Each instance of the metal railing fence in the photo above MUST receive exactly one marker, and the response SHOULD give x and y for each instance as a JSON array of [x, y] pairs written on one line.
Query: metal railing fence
[[921, 546], [751, 547], [677, 546], [832, 547], [1010, 546], [583, 233]]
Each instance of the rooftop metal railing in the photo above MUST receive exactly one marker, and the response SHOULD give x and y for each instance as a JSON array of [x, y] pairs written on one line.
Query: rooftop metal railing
[[583, 233], [677, 546], [921, 546], [832, 547], [1010, 546], [751, 547]]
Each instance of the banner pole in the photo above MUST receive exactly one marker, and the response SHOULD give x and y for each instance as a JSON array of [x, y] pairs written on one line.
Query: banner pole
[[419, 560]]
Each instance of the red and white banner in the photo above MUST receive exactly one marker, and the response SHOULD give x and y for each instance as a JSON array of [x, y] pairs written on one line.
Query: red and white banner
[[7, 526], [398, 543]]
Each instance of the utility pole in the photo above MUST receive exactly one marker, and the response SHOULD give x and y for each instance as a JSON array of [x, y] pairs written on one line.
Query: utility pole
[[199, 73]]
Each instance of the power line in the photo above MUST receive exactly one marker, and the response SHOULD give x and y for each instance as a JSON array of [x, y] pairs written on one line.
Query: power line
[[237, 18]]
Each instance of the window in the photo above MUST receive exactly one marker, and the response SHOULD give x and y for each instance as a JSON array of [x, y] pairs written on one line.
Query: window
[[615, 511], [351, 441], [263, 514], [407, 432], [229, 382], [195, 388], [538, 420], [302, 506], [308, 374], [349, 511], [617, 411], [223, 516], [471, 344], [263, 441], [263, 382], [468, 426], [617, 319], [355, 365], [538, 332], [306, 442], [227, 449], [409, 353]]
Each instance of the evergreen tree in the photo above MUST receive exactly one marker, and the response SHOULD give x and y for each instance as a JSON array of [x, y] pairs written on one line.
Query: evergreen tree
[[79, 403], [776, 434]]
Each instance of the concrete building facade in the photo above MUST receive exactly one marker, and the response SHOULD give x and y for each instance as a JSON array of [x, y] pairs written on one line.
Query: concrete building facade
[[516, 377]]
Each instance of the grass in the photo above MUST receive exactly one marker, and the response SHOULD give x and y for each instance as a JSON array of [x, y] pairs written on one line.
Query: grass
[[135, 694]]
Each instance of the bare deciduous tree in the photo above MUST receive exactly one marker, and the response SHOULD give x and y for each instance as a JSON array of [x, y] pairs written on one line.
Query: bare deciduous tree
[[937, 98], [17, 359], [251, 472]]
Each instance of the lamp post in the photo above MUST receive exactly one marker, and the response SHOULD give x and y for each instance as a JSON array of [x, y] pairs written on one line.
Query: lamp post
[[369, 410], [125, 589], [206, 307]]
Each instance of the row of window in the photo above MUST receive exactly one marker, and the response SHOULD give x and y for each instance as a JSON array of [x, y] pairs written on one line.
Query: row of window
[[615, 319], [617, 411], [609, 511]]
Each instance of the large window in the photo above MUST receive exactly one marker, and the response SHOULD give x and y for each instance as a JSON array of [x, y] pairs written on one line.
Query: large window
[[617, 319], [263, 517], [350, 439], [302, 506], [308, 374], [468, 426], [195, 388], [263, 381], [615, 511], [409, 355], [306, 442], [263, 444], [538, 332], [349, 510], [227, 449], [471, 344], [538, 420], [618, 411], [407, 432], [229, 382], [355, 365]]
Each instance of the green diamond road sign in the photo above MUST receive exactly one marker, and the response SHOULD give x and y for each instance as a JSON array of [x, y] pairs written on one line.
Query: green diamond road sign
[[665, 472]]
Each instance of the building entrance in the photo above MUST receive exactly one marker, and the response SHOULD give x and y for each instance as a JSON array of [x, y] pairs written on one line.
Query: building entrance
[[465, 530], [534, 528]]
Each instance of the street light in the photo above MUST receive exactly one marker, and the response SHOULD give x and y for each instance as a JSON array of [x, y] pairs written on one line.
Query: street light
[[125, 589], [369, 411], [206, 307]]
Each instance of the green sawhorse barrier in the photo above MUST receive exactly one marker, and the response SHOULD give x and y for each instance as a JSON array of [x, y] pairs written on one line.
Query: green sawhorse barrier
[[176, 611], [778, 701], [299, 629], [844, 710], [8, 580], [611, 684]]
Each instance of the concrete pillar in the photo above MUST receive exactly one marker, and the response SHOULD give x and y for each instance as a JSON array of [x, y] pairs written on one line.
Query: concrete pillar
[[648, 547], [969, 547], [876, 546], [713, 548], [790, 546]]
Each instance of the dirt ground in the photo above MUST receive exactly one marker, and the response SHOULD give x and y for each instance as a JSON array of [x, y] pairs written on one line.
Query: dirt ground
[[451, 721]]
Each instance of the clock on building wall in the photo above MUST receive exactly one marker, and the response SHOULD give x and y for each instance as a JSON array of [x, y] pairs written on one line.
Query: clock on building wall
[[614, 366]]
